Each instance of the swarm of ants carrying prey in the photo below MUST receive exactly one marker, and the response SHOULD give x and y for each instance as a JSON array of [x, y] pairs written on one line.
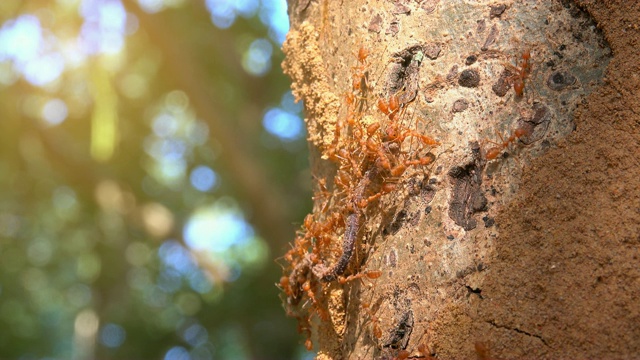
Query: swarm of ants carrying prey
[[372, 147]]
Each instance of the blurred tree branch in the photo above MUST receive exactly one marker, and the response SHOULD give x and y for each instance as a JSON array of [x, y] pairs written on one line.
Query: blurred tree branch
[[267, 201]]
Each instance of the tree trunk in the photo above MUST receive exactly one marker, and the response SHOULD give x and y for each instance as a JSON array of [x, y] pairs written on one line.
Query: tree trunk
[[474, 171]]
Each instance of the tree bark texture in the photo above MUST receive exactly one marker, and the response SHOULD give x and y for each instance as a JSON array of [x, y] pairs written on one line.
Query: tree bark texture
[[475, 170]]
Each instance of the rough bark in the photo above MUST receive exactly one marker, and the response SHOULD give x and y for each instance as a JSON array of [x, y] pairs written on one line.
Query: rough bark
[[516, 234]]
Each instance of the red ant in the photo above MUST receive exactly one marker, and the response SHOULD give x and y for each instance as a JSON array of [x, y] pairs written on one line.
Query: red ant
[[371, 274], [376, 330], [360, 82], [493, 152], [522, 71], [392, 133]]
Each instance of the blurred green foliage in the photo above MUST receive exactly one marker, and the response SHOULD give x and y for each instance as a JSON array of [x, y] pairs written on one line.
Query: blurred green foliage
[[152, 165]]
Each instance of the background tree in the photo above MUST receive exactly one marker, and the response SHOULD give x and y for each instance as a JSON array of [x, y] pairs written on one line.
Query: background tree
[[146, 147], [473, 173]]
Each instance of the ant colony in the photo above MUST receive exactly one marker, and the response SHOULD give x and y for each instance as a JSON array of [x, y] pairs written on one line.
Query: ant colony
[[372, 147]]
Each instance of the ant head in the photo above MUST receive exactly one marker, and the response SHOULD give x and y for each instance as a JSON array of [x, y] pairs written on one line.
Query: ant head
[[363, 53]]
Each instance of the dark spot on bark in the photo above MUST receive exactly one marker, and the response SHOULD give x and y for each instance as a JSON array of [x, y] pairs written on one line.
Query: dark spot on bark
[[393, 258], [560, 80], [432, 50], [429, 6], [480, 267], [421, 188], [415, 218], [482, 25], [474, 291], [497, 10], [469, 78], [427, 192], [467, 197], [488, 221], [396, 224], [460, 105], [577, 36], [413, 287], [470, 59], [393, 27], [502, 86], [453, 72], [375, 24], [541, 114], [413, 186], [399, 337], [491, 38], [478, 202], [536, 126], [400, 9], [402, 78], [427, 243], [450, 237]]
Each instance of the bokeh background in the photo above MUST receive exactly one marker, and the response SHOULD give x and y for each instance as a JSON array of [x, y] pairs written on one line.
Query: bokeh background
[[153, 164]]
